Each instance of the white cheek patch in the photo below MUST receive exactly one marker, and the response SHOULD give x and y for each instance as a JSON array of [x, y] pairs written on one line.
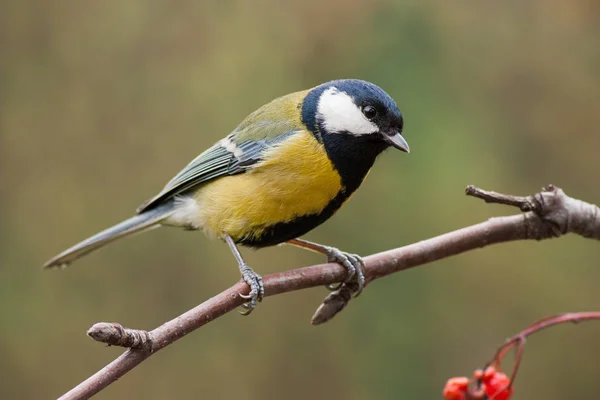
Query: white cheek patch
[[338, 113]]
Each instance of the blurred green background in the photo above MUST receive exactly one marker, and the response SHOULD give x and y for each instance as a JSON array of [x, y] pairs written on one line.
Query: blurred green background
[[102, 102]]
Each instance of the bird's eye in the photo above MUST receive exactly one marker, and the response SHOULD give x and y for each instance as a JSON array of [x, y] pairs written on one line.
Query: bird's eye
[[370, 112]]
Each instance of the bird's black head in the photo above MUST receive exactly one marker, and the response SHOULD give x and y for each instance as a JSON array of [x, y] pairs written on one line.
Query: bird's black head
[[355, 120], [355, 108]]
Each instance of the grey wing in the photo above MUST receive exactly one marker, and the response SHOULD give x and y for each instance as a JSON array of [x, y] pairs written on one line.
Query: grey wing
[[223, 159]]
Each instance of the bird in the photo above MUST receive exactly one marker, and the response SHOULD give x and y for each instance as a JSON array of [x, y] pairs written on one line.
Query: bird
[[286, 168]]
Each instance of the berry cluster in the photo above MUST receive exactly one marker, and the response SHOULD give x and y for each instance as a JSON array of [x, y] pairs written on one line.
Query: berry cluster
[[490, 384]]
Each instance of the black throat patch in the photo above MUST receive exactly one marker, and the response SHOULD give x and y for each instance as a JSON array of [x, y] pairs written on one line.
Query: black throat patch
[[352, 156]]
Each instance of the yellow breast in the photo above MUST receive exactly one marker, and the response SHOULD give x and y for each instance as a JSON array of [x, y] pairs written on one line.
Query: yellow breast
[[296, 178]]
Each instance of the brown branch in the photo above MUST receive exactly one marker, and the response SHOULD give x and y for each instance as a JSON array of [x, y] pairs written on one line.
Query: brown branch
[[553, 213]]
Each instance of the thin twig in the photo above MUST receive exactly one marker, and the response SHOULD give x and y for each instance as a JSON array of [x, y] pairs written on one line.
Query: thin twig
[[520, 338], [523, 203], [556, 214]]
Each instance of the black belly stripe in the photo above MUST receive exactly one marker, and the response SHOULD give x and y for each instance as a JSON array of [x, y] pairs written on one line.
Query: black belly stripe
[[284, 231]]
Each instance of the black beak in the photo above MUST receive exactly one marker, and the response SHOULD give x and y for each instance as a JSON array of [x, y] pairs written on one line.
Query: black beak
[[394, 138]]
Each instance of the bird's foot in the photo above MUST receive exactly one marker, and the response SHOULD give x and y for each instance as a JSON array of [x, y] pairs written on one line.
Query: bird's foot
[[353, 263], [257, 289]]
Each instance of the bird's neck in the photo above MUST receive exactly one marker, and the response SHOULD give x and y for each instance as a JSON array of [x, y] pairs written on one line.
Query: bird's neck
[[352, 156]]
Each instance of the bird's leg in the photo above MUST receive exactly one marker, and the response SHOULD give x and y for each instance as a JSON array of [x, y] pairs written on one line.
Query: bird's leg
[[254, 280], [352, 262]]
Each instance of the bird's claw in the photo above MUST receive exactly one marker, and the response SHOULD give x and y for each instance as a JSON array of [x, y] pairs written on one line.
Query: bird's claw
[[257, 289], [353, 263]]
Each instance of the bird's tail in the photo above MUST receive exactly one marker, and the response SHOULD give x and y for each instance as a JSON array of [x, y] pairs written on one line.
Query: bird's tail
[[141, 222]]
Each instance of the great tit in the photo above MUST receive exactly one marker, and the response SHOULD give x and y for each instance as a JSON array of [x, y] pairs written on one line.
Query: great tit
[[287, 168]]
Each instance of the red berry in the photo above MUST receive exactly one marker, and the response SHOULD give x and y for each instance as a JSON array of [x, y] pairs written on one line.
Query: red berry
[[495, 383], [456, 388], [485, 375]]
